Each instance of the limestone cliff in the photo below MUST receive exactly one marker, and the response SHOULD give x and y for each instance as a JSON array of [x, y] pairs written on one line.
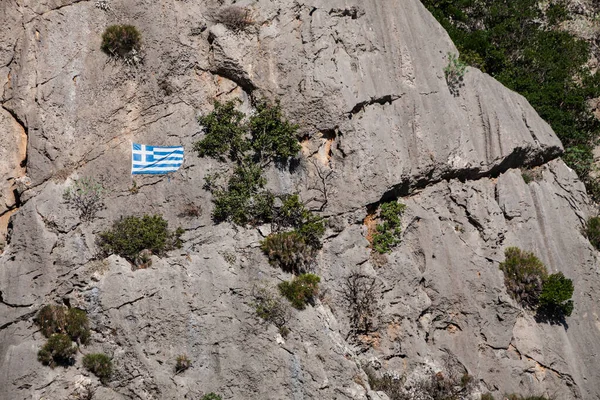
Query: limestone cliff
[[365, 83]]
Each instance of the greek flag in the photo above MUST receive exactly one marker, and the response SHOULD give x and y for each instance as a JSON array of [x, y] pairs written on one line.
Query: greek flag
[[154, 159]]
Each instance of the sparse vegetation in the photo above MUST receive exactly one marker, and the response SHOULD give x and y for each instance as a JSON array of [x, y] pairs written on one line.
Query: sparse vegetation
[[53, 319], [391, 384], [359, 294], [454, 73], [121, 41], [301, 290], [100, 365], [58, 350], [234, 17], [272, 308], [388, 233], [191, 210], [182, 363], [592, 231], [524, 275], [289, 251], [130, 235], [86, 196]]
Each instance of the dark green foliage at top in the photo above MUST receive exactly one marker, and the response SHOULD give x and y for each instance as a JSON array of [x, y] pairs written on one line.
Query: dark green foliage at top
[[73, 322], [100, 365], [555, 299], [518, 43], [388, 233], [251, 143], [301, 290], [121, 40], [263, 137], [224, 133], [272, 137], [592, 231], [524, 275], [58, 350], [130, 235], [294, 214], [211, 396]]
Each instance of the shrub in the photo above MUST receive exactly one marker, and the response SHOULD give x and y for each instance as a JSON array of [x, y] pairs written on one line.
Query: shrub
[[58, 350], [85, 195], [391, 384], [388, 233], [592, 231], [234, 17], [244, 201], [294, 214], [52, 319], [301, 290], [130, 235], [271, 308], [182, 363], [487, 396], [99, 364], [224, 132], [555, 299], [288, 251], [211, 396], [253, 144], [272, 137], [454, 72], [121, 40], [359, 293], [524, 275]]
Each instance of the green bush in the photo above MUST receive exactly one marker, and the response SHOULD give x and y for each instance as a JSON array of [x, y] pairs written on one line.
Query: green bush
[[294, 214], [388, 233], [99, 364], [58, 350], [555, 299], [182, 363], [524, 275], [130, 235], [301, 290], [121, 40], [252, 143], [487, 396], [52, 319], [211, 396], [518, 43], [289, 251], [244, 201], [592, 231]]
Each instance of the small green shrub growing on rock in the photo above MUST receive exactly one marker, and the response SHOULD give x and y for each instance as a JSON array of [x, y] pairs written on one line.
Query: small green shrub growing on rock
[[121, 40], [388, 233], [289, 251], [130, 235], [58, 350], [555, 299], [454, 72], [592, 231], [524, 275], [99, 364], [182, 363], [301, 290], [52, 319], [224, 133]]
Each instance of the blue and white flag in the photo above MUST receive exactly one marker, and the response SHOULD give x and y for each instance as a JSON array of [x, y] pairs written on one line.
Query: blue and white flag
[[154, 159]]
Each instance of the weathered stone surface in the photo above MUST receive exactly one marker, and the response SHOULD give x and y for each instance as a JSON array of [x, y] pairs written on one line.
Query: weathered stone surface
[[365, 83]]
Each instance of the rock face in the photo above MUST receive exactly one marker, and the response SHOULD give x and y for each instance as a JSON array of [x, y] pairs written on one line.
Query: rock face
[[365, 82]]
